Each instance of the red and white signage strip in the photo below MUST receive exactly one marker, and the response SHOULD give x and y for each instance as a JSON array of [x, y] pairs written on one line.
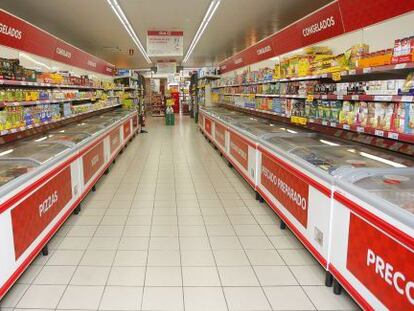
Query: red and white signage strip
[[220, 135], [336, 18], [21, 35], [39, 207], [37, 211], [372, 255]]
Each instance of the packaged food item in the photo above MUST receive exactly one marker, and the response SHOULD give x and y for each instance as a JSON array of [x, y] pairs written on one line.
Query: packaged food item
[[409, 118], [346, 115], [403, 50]]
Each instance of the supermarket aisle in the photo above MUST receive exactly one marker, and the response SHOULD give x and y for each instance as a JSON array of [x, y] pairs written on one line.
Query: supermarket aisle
[[173, 228]]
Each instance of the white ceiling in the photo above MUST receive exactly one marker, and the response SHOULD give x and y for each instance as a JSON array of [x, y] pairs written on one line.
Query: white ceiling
[[92, 26]]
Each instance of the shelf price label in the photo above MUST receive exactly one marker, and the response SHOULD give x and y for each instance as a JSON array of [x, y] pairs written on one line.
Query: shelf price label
[[309, 98], [393, 135], [324, 122], [360, 129], [336, 76], [298, 120], [346, 127], [379, 133]]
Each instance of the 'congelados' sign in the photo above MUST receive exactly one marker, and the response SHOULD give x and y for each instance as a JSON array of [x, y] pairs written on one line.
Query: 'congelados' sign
[[317, 27]]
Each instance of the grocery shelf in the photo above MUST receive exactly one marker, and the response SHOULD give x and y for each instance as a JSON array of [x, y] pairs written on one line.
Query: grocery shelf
[[24, 128], [47, 101], [402, 137], [384, 98], [351, 72], [39, 84]]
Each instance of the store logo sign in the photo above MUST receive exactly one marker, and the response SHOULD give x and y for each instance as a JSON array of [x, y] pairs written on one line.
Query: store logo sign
[[388, 275], [108, 69], [63, 52], [320, 26], [290, 190], [224, 67], [263, 50], [10, 31]]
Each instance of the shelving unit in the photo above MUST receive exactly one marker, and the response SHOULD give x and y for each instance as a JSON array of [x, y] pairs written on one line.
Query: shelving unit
[[230, 99]]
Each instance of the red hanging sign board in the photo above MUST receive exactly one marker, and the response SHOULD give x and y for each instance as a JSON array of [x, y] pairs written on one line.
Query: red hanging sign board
[[336, 18], [19, 34]]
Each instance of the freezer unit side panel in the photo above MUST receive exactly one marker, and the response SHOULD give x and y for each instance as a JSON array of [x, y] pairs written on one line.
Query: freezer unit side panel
[[298, 202], [27, 225], [239, 154], [371, 262], [220, 135], [92, 162], [115, 140], [127, 130], [208, 126]]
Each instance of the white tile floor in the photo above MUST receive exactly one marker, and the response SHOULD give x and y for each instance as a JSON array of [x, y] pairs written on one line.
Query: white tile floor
[[173, 228]]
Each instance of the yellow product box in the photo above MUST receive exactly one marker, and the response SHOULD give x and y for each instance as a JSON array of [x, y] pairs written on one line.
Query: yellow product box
[[377, 59], [276, 72]]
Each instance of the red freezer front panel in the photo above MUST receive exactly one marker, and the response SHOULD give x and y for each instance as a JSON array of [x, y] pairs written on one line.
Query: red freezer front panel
[[383, 265], [93, 160], [127, 129], [220, 134], [37, 211], [114, 140], [290, 190], [207, 125], [239, 150]]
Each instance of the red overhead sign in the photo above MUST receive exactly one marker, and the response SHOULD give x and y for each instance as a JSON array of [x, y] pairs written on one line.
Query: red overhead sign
[[19, 34], [336, 18]]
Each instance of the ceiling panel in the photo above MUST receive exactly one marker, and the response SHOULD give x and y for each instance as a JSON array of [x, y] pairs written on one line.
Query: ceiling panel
[[92, 26]]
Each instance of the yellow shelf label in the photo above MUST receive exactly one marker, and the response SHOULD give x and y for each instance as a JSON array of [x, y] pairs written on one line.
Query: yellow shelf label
[[298, 120], [309, 98]]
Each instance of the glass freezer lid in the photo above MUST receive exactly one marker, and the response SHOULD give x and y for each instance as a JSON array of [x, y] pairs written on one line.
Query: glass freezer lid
[[36, 150], [83, 127], [260, 128], [74, 138], [10, 170], [394, 186], [340, 159], [306, 139]]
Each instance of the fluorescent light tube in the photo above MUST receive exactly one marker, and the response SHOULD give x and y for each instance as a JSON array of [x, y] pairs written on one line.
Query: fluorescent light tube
[[327, 142], [41, 139], [6, 152], [124, 21], [207, 17], [379, 159]]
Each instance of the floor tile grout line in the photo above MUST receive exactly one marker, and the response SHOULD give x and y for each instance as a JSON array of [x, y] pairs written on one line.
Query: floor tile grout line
[[214, 257], [122, 235], [150, 236]]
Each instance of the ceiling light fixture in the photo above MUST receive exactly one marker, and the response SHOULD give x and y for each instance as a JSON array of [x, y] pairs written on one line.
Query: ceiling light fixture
[[124, 21], [209, 14]]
